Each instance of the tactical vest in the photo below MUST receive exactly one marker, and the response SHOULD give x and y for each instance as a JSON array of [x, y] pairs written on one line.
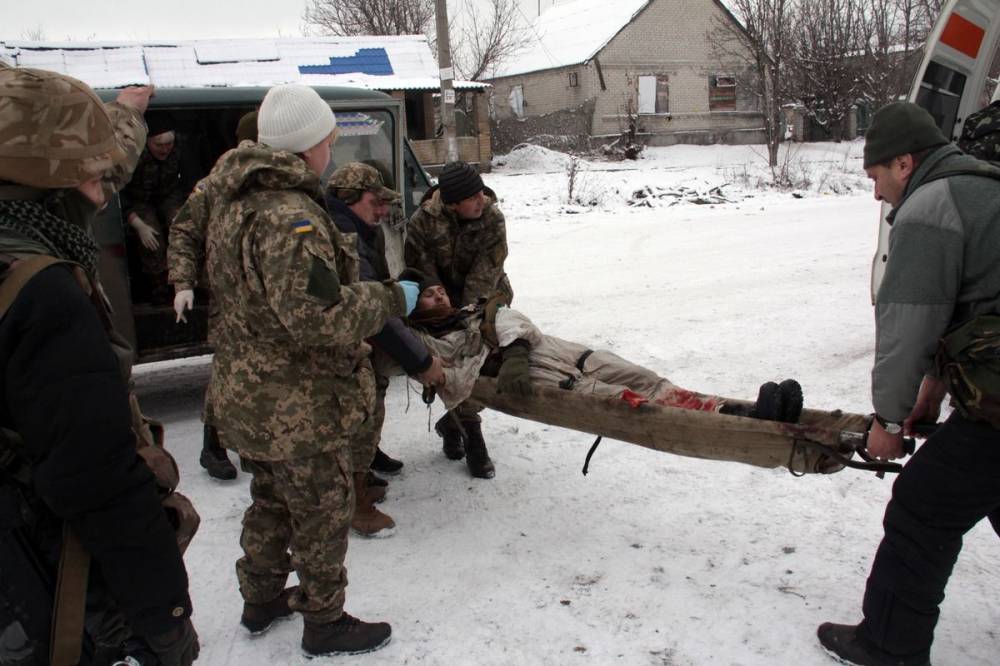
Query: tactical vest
[[71, 587]]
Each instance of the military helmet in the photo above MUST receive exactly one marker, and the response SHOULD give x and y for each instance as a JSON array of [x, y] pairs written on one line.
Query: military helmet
[[361, 177], [54, 131]]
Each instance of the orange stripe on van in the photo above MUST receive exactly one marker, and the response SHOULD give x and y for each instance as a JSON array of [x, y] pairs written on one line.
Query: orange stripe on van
[[963, 35]]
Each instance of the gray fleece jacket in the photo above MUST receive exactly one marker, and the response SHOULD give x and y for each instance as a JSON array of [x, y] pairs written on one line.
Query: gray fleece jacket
[[943, 269]]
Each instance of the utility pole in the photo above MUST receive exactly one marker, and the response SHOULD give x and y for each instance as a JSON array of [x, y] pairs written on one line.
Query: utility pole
[[447, 74]]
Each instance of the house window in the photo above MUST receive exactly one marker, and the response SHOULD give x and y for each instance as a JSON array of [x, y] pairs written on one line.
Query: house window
[[654, 94], [574, 81], [516, 101], [721, 93]]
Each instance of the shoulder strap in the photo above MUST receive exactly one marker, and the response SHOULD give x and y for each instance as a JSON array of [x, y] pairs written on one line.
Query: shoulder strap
[[18, 275], [488, 326], [984, 170]]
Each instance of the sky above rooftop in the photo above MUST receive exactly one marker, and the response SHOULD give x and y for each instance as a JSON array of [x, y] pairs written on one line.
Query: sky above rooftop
[[141, 20]]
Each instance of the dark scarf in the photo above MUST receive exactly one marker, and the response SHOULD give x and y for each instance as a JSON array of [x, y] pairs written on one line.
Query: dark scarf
[[439, 320], [59, 220]]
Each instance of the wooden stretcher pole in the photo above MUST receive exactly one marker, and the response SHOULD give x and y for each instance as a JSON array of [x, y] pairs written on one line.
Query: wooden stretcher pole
[[684, 432]]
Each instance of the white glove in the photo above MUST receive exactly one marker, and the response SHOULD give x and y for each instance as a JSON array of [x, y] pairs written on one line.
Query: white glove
[[148, 236], [183, 300]]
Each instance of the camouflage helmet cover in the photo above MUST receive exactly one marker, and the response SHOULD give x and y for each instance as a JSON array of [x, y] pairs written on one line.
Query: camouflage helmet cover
[[361, 178], [54, 131]]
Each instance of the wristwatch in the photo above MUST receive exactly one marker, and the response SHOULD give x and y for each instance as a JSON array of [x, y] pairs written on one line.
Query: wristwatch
[[890, 427]]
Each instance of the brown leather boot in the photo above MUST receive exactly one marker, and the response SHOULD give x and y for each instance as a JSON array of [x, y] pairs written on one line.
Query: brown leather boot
[[258, 618], [367, 520], [345, 635]]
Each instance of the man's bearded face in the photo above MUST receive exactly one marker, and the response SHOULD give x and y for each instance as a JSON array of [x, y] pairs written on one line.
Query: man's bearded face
[[433, 297]]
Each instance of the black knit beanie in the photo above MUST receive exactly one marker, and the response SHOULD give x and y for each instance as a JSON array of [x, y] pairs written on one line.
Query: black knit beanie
[[900, 128], [160, 122], [422, 279], [458, 181]]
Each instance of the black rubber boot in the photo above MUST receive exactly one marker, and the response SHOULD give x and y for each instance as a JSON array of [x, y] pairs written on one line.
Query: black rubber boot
[[384, 464], [476, 455], [258, 618], [453, 444], [851, 646], [791, 399], [769, 403], [213, 457], [346, 635]]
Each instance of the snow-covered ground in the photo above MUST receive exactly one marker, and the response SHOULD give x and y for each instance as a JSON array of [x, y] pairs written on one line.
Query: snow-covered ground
[[651, 558]]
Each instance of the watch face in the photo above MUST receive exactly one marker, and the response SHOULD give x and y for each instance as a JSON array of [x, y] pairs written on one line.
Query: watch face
[[893, 428]]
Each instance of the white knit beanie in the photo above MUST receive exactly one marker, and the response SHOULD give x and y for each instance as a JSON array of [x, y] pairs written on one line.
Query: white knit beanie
[[294, 117]]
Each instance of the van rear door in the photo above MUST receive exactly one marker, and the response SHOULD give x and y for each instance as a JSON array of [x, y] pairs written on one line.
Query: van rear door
[[951, 82]]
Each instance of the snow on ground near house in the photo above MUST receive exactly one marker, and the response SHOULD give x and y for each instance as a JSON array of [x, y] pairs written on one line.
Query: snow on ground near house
[[651, 558]]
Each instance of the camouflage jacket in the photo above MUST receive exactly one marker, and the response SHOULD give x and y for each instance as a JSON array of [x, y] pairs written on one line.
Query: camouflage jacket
[[186, 246], [981, 133], [291, 376], [155, 185], [130, 128], [466, 255]]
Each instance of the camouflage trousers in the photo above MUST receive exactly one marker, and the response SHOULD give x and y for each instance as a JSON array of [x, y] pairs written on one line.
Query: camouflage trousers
[[367, 440], [298, 521]]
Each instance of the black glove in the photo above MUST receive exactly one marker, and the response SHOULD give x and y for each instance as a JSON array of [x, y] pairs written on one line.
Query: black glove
[[177, 647], [514, 376]]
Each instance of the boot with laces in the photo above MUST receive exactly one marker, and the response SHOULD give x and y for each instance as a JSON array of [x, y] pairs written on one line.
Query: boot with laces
[[345, 635]]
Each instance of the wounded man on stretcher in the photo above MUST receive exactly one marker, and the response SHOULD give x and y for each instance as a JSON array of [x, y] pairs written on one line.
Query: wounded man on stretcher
[[551, 380]]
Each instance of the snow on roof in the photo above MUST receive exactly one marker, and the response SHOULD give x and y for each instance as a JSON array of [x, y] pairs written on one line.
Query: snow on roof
[[377, 62], [571, 33]]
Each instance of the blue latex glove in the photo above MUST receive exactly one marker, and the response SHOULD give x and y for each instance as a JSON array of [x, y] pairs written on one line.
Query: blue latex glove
[[412, 291]]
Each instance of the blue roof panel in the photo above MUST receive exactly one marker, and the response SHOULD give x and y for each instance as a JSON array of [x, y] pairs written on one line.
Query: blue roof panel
[[374, 62]]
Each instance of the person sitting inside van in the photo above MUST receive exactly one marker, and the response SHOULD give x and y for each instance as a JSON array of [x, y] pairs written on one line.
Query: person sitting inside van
[[151, 200], [491, 339]]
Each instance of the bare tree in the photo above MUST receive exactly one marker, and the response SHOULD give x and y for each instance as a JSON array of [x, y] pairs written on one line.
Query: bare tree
[[36, 34], [488, 38], [761, 43], [371, 17], [823, 66]]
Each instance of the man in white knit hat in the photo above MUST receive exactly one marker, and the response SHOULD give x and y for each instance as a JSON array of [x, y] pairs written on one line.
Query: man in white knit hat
[[292, 383]]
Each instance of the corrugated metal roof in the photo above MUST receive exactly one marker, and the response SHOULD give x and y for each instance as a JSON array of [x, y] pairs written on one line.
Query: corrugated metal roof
[[571, 33], [377, 63]]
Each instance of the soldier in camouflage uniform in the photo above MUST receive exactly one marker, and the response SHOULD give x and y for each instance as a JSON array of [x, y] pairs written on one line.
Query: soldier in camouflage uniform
[[942, 273], [150, 202], [186, 260], [65, 406], [458, 237], [357, 199], [981, 133], [292, 383]]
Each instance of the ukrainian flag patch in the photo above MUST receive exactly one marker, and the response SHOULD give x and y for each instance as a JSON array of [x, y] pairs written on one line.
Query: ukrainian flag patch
[[302, 226]]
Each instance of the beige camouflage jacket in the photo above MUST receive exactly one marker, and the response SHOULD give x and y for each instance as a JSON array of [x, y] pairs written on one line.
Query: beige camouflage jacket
[[130, 129], [291, 376], [188, 231], [466, 255]]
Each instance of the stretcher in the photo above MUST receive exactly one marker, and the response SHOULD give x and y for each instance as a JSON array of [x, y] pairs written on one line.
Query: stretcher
[[822, 442]]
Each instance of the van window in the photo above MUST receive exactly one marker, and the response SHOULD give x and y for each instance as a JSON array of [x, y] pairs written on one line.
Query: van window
[[365, 136], [940, 93]]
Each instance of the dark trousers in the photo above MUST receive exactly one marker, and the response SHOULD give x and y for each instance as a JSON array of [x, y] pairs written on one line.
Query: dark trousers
[[950, 484]]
